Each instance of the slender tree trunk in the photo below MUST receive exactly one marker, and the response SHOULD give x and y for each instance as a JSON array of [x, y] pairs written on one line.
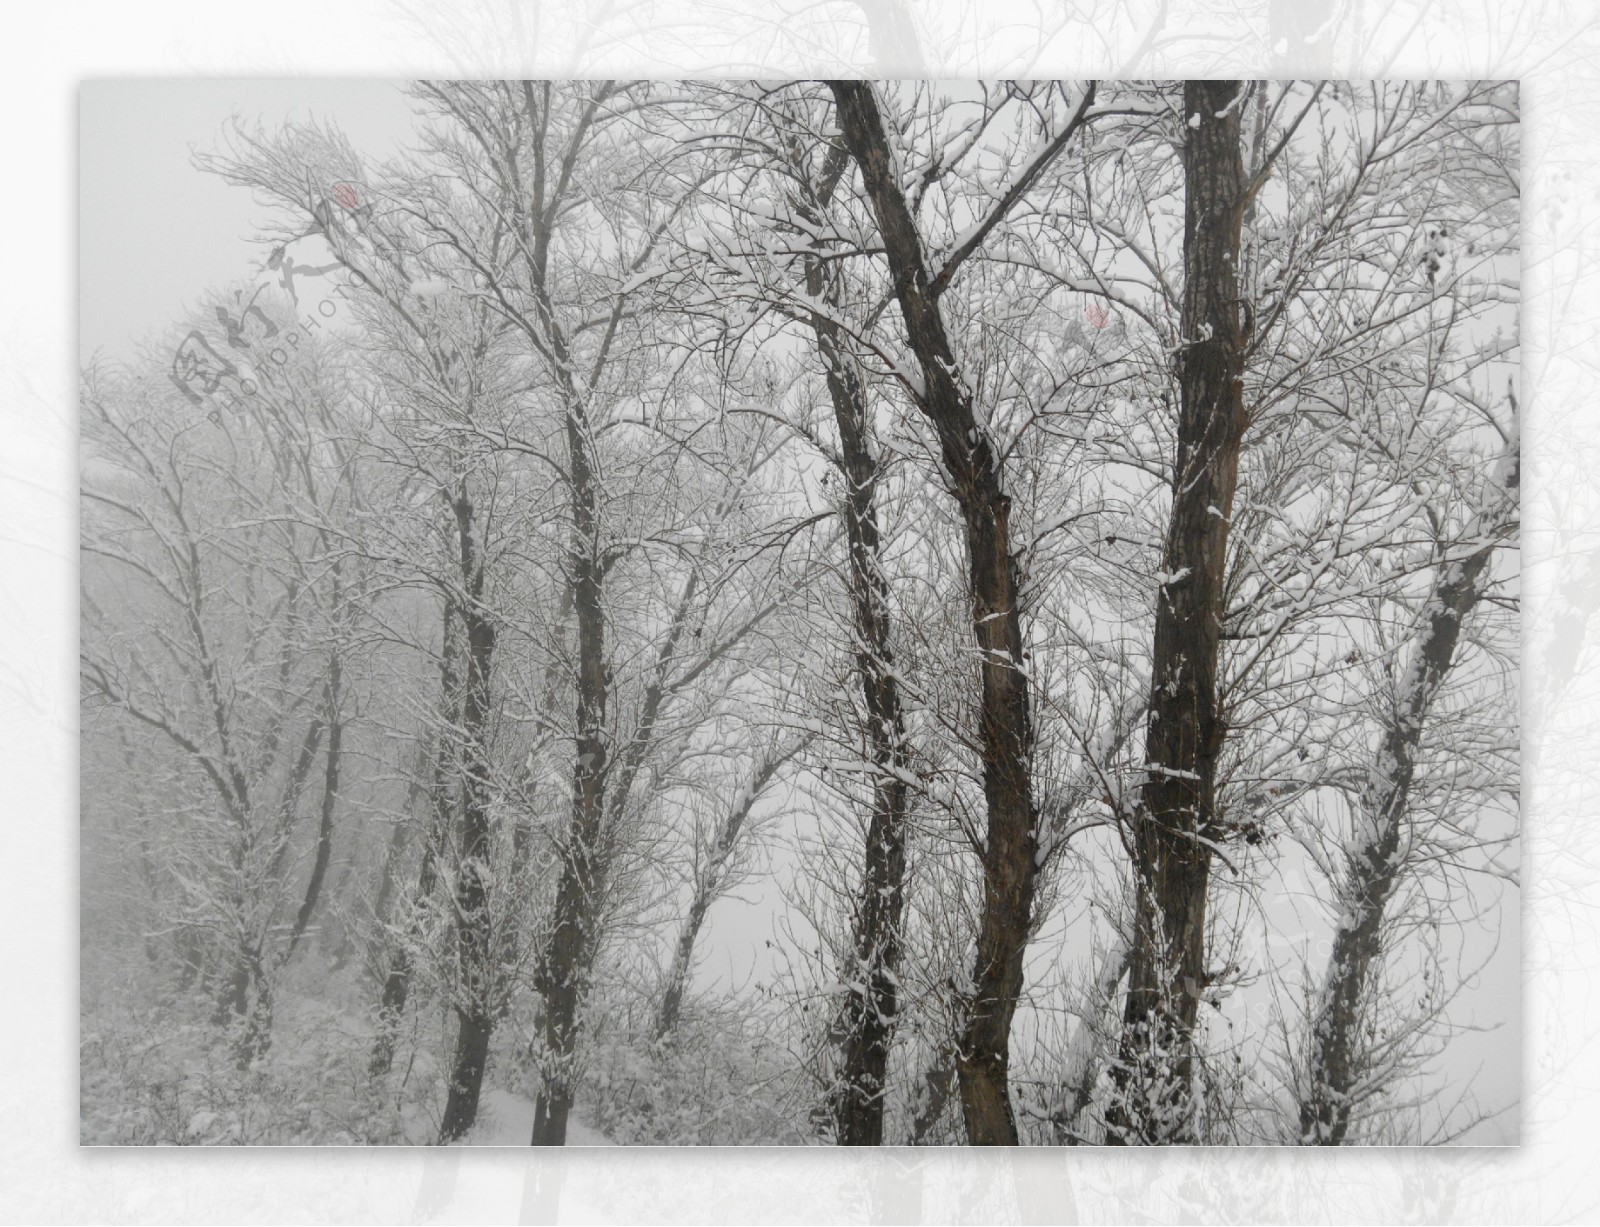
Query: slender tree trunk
[[709, 879], [562, 969], [601, 789], [341, 945], [865, 1024], [868, 1015], [393, 852], [330, 796], [475, 1009], [523, 828], [972, 466], [682, 961], [397, 984], [1176, 814], [1373, 865]]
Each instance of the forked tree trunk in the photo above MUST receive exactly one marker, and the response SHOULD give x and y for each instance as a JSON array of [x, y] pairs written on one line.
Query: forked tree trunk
[[972, 466], [1176, 813], [1337, 1062], [599, 804]]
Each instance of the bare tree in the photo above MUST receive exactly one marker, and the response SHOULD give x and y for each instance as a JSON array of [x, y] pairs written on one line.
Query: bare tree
[[975, 474], [1175, 824], [238, 568]]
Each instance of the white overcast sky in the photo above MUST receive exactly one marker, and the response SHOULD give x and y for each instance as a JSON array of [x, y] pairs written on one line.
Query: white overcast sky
[[155, 233]]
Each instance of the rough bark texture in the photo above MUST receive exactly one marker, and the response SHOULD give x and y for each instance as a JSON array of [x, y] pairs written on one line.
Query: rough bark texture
[[867, 1017], [475, 1007], [1176, 816], [865, 1024], [561, 969], [1005, 720], [563, 965], [1337, 1063]]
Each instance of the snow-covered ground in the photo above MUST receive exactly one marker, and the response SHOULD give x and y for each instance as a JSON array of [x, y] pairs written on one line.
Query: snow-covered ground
[[506, 1119]]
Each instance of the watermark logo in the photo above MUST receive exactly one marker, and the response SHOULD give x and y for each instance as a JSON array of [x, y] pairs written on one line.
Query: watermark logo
[[196, 364], [1105, 332], [199, 369]]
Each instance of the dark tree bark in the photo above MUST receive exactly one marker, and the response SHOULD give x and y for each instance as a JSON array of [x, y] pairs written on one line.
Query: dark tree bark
[[562, 975], [475, 1009], [562, 968], [256, 1036], [330, 796], [972, 467], [1176, 812], [682, 960], [1337, 1059], [868, 1014], [864, 1027]]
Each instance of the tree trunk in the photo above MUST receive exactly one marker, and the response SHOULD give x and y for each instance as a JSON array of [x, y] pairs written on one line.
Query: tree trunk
[[1005, 720], [256, 1037], [522, 832], [330, 796], [868, 1015], [709, 879], [397, 984], [601, 789], [234, 1000], [1176, 811], [563, 965], [866, 1019], [682, 961], [475, 1007], [1373, 865]]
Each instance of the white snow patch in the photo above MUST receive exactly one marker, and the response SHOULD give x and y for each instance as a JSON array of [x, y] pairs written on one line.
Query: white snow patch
[[506, 1119]]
